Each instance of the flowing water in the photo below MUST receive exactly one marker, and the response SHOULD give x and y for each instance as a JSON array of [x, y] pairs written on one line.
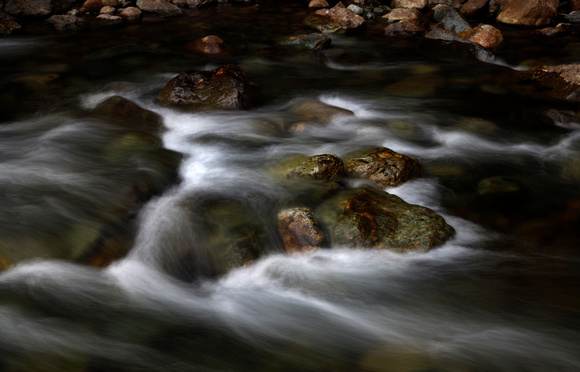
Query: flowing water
[[502, 295]]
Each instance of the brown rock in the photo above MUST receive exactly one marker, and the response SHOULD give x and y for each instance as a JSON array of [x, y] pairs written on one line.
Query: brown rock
[[125, 113], [131, 14], [310, 41], [318, 4], [556, 31], [109, 20], [574, 5], [299, 230], [407, 28], [107, 10], [561, 83], [66, 23], [91, 6], [402, 14], [113, 3], [320, 167], [337, 19], [473, 8], [226, 88], [161, 7], [415, 4], [487, 36], [7, 24], [383, 167], [36, 8], [529, 12], [319, 112], [208, 45]]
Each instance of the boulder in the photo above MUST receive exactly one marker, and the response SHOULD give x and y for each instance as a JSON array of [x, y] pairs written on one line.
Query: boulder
[[67, 23], [402, 14], [226, 88], [7, 24], [335, 20], [124, 113], [299, 229], [210, 44], [318, 4], [312, 41], [161, 7], [457, 47], [319, 112], [371, 218], [487, 36], [414, 4], [529, 12], [91, 6], [450, 19], [131, 14], [109, 20], [557, 83], [408, 28], [383, 167], [36, 8], [107, 10], [474, 8], [320, 167]]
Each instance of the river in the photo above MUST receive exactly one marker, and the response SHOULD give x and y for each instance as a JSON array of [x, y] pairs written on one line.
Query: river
[[502, 295]]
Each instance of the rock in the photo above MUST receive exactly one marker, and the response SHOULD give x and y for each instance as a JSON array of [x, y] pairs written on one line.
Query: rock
[[450, 19], [299, 230], [402, 14], [474, 8], [487, 36], [498, 186], [122, 112], [414, 4], [529, 12], [320, 167], [109, 10], [559, 83], [312, 41], [208, 45], [458, 47], [337, 19], [226, 88], [384, 167], [161, 7], [7, 24], [194, 3], [318, 4], [109, 20], [408, 28], [36, 8], [319, 112], [356, 9], [112, 3], [91, 6], [67, 23], [370, 218], [574, 5], [573, 17], [131, 14]]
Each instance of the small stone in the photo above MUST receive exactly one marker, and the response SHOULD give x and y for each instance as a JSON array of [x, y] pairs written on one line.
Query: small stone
[[311, 41], [414, 4], [320, 167], [402, 14], [131, 14], [487, 36], [355, 9], [109, 20], [337, 19], [300, 230], [160, 7], [210, 44], [318, 4], [107, 10], [66, 23]]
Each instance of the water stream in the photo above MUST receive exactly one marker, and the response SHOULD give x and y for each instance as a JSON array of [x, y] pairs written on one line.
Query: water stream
[[502, 295]]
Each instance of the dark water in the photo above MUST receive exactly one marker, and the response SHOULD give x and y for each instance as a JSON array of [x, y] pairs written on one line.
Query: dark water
[[501, 296]]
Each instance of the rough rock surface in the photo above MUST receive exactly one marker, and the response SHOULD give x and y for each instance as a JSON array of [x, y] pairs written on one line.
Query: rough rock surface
[[310, 41], [529, 12], [36, 8], [450, 19], [561, 82], [109, 20], [402, 14], [161, 7], [320, 167], [406, 28], [473, 8], [337, 19], [91, 6], [414, 4], [210, 44], [370, 218], [299, 230], [226, 87], [131, 14], [67, 23], [383, 167], [318, 4], [487, 36], [7, 24]]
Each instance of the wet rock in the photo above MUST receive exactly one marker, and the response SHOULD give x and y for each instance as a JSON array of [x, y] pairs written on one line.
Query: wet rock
[[573, 17], [226, 88], [161, 7], [574, 5], [131, 14], [194, 3], [319, 112], [450, 19], [320, 167], [210, 44], [36, 8], [356, 9], [370, 218], [557, 31], [474, 8], [498, 186], [487, 36], [414, 4], [529, 12], [313, 41], [337, 19], [318, 4], [402, 14], [560, 83], [109, 20], [7, 24], [299, 230], [125, 113], [109, 10], [67, 23], [91, 6], [384, 167], [408, 28], [457, 47]]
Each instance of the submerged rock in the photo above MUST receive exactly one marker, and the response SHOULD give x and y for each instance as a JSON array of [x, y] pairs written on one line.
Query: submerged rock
[[384, 167], [529, 12], [227, 88], [319, 112], [126, 113], [109, 20], [194, 3], [370, 218], [299, 230], [560, 83], [337, 19], [309, 41]]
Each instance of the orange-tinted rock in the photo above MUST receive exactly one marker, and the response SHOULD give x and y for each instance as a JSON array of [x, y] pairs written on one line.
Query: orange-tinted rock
[[487, 36], [415, 4], [131, 14], [404, 29], [337, 19], [402, 14], [208, 45], [161, 7], [91, 6], [574, 5], [473, 8], [560, 82], [384, 167], [320, 167], [318, 4], [529, 12], [107, 10], [299, 230]]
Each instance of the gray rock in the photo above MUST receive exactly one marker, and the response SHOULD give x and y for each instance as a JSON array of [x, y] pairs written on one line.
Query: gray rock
[[67, 23], [355, 9], [450, 19]]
